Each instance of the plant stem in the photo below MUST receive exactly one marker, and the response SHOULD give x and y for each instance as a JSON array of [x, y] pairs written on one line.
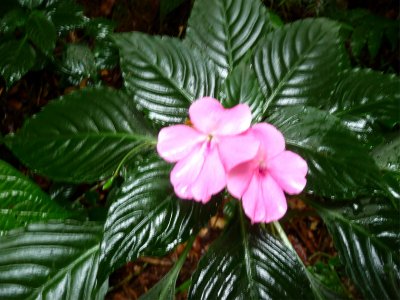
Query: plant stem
[[283, 235]]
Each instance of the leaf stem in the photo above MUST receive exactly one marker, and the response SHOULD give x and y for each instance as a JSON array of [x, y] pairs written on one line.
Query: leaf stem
[[134, 150], [283, 235]]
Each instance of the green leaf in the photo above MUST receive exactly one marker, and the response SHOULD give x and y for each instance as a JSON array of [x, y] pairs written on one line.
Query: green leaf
[[146, 218], [12, 20], [387, 157], [81, 137], [22, 202], [241, 86], [163, 75], [374, 41], [165, 288], [300, 63], [17, 58], [366, 235], [369, 95], [79, 62], [66, 15], [30, 3], [226, 30], [339, 165], [106, 54], [358, 40], [50, 261], [247, 263], [41, 32], [167, 6], [99, 28]]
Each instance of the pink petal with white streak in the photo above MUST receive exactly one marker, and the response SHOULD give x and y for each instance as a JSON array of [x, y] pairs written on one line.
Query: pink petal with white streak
[[176, 142], [212, 178], [264, 200], [187, 170]]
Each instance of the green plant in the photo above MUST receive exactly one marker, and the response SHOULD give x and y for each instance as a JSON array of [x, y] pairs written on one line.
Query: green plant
[[32, 33]]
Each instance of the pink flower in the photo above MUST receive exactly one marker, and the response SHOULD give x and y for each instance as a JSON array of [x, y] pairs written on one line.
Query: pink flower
[[262, 181], [205, 151]]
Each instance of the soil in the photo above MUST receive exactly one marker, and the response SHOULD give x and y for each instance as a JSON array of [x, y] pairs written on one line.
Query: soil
[[307, 232]]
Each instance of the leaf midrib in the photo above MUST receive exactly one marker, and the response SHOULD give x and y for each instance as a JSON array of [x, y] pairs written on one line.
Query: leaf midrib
[[64, 270], [85, 135], [188, 97], [288, 75]]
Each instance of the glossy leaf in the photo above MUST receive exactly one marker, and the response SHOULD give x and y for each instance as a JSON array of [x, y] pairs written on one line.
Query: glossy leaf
[[299, 63], [17, 58], [79, 62], [66, 15], [367, 238], [81, 137], [165, 288], [12, 20], [30, 3], [50, 261], [226, 30], [387, 157], [22, 202], [339, 165], [247, 263], [99, 28], [147, 218], [242, 86], [163, 75], [366, 94], [106, 54], [41, 32]]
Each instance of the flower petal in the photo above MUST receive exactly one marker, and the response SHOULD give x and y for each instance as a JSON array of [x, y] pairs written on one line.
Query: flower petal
[[176, 142], [264, 200], [237, 149], [289, 170], [210, 117], [239, 177], [271, 139], [187, 170], [211, 179]]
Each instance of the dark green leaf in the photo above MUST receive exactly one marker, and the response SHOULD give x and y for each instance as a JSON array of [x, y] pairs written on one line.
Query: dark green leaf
[[163, 75], [366, 234], [12, 20], [22, 202], [99, 28], [147, 218], [30, 3], [50, 261], [369, 95], [339, 165], [226, 30], [387, 157], [247, 263], [8, 5], [66, 15], [358, 39], [242, 86], [166, 6], [106, 54], [41, 32], [82, 136], [165, 288], [300, 63], [374, 41], [17, 58], [79, 62]]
